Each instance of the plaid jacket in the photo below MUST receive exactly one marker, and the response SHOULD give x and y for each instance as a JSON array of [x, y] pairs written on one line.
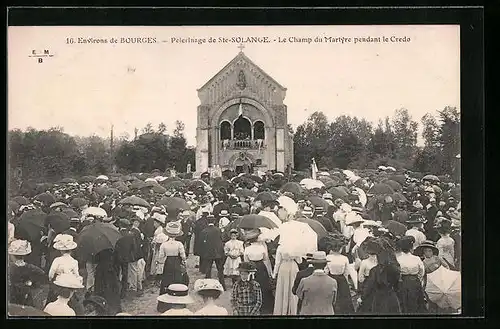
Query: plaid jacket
[[246, 298]]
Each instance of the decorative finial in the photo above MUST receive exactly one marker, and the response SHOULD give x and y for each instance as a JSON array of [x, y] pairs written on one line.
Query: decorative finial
[[241, 47]]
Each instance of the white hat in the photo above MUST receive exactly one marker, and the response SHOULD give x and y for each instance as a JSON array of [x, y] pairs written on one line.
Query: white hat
[[352, 218], [160, 238], [176, 294], [345, 207], [19, 248], [327, 196], [307, 210], [224, 212], [102, 177], [68, 280], [173, 229], [159, 217], [391, 168], [207, 284], [64, 242], [382, 167]]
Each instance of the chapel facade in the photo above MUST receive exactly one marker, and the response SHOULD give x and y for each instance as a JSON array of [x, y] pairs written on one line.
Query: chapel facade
[[242, 121]]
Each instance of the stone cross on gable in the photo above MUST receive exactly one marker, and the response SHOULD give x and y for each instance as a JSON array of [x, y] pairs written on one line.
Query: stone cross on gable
[[241, 47]]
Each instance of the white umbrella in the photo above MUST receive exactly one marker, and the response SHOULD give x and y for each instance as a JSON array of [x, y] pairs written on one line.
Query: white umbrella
[[95, 211], [323, 173], [382, 167], [288, 203], [160, 178], [102, 177], [151, 180], [390, 168], [298, 238], [310, 184], [362, 196], [444, 288], [348, 173]]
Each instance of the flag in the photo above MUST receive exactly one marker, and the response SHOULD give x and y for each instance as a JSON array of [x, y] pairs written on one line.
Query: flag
[[314, 169]]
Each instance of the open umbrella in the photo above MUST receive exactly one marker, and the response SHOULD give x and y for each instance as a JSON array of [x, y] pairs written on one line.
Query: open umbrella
[[79, 202], [289, 238], [159, 189], [292, 187], [46, 198], [22, 201], [401, 179], [317, 227], [456, 193], [70, 213], [137, 185], [380, 188], [399, 197], [102, 178], [338, 193], [431, 178], [135, 201], [317, 201], [310, 184], [444, 288], [94, 211], [221, 183], [96, 237], [174, 203], [59, 222], [256, 221], [395, 185], [176, 184], [31, 225], [245, 193], [197, 183], [288, 203], [266, 196], [24, 311]]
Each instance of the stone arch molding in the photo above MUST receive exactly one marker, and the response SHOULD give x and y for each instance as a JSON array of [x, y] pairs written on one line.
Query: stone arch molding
[[238, 155], [268, 118]]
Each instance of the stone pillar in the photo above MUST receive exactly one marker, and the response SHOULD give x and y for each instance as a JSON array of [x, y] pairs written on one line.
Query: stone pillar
[[280, 149], [202, 150]]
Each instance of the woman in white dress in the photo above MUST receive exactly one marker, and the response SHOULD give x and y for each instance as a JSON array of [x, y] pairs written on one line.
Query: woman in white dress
[[233, 249], [210, 290], [285, 271], [64, 264], [158, 238], [68, 283], [177, 298]]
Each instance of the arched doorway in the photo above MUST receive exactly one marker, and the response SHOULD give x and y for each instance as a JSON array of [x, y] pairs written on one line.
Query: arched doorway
[[258, 130], [225, 130], [242, 129]]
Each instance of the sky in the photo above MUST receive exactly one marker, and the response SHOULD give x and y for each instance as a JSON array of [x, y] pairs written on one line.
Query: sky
[[87, 87]]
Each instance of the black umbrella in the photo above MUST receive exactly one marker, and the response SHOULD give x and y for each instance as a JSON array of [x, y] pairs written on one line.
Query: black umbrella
[[59, 222], [97, 237], [46, 198], [21, 200], [31, 225]]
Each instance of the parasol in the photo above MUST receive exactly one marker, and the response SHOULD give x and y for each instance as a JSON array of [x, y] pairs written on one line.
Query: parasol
[[174, 184], [395, 185], [444, 288], [348, 173], [22, 201], [79, 202], [46, 198], [159, 189], [310, 184], [31, 225], [256, 221], [289, 233], [135, 201], [361, 196], [97, 237], [317, 201], [172, 203], [288, 203], [401, 179], [59, 222], [94, 211], [431, 178], [25, 311], [70, 213], [266, 196], [102, 178], [245, 193], [137, 185], [338, 193], [380, 188], [317, 227], [292, 187]]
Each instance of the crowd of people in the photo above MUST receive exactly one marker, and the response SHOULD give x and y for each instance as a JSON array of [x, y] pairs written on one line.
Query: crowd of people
[[346, 242]]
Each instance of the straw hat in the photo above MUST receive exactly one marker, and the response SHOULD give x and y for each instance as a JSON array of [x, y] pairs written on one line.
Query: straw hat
[[419, 251], [173, 229], [176, 294], [64, 242], [159, 218], [353, 218], [207, 284], [67, 280], [318, 257], [19, 248]]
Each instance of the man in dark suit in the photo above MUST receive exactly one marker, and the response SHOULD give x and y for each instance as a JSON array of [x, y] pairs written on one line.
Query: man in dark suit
[[213, 250], [125, 252], [301, 275], [319, 215], [199, 226]]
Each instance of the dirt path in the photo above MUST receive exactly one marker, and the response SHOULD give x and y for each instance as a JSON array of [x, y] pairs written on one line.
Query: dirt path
[[146, 304]]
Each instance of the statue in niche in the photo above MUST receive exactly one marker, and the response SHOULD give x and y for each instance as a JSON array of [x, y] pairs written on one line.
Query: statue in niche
[[242, 82]]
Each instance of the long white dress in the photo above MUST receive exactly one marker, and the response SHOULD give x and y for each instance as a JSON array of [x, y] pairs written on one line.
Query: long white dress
[[285, 270]]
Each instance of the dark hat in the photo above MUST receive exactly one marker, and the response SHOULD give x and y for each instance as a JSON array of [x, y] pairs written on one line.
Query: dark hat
[[405, 242], [124, 223], [419, 251], [247, 267]]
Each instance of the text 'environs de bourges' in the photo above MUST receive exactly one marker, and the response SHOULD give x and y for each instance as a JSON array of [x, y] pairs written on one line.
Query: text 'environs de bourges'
[[284, 39]]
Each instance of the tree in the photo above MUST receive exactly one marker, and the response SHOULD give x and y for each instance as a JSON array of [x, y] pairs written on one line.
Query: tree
[[162, 128], [148, 129], [405, 134], [449, 138], [179, 129], [430, 131]]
